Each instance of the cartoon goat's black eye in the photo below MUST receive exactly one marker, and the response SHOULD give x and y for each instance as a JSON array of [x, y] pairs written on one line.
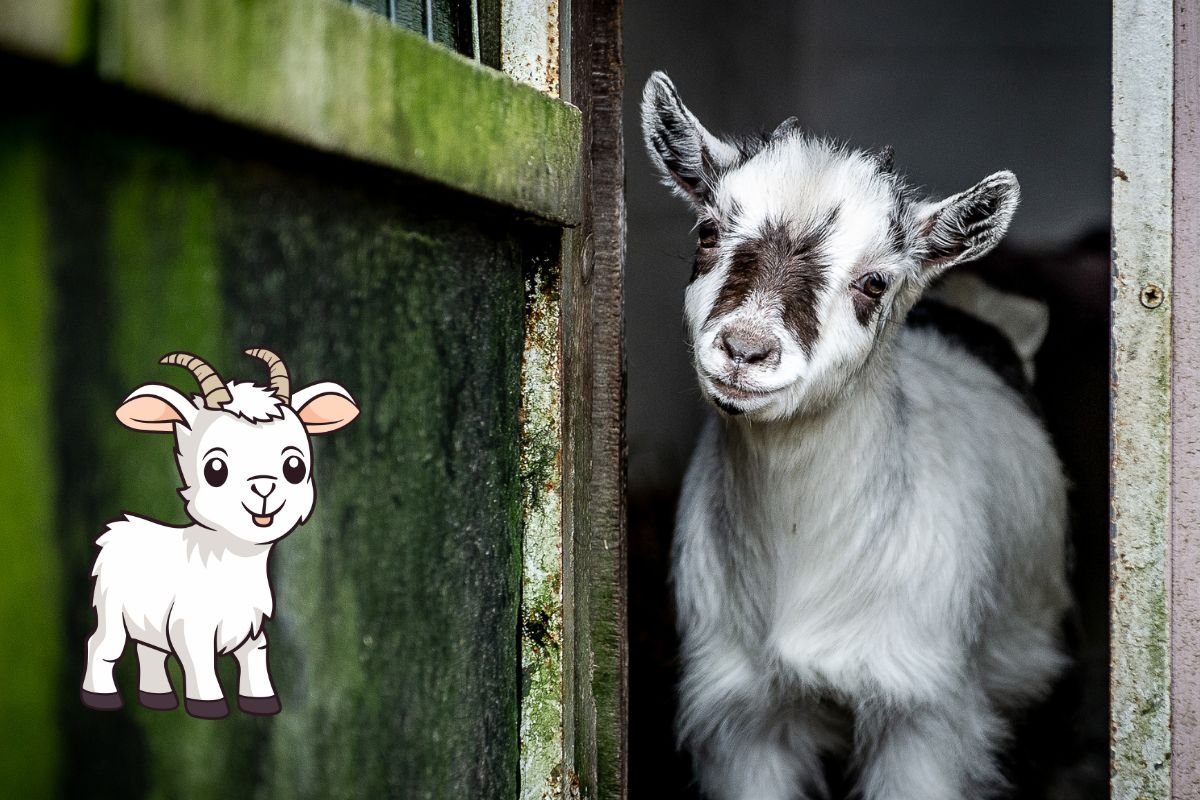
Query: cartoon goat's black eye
[[293, 469], [708, 233], [872, 284], [215, 472]]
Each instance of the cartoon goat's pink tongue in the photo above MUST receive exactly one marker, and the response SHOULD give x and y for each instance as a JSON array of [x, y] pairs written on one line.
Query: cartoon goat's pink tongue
[[263, 522]]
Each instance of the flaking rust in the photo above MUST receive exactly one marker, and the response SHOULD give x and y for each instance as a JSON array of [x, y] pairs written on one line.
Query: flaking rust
[[529, 43], [541, 725]]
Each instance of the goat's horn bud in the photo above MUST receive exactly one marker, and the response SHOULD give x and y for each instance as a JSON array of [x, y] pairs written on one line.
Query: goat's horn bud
[[280, 382], [786, 128], [211, 385]]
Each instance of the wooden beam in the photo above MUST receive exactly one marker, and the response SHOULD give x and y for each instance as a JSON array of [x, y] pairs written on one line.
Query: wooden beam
[[594, 499], [330, 76]]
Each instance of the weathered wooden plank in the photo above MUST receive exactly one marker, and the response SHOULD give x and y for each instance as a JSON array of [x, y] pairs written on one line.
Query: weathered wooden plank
[[395, 642], [594, 500], [528, 45], [398, 624], [542, 546], [1141, 398], [1185, 409], [341, 79]]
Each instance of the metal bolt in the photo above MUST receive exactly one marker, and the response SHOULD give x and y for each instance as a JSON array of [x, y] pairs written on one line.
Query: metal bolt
[[1152, 296]]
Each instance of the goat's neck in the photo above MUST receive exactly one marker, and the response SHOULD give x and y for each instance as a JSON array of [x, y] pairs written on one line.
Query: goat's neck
[[210, 542], [850, 433]]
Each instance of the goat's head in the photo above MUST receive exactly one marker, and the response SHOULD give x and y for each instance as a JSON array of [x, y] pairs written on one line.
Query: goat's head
[[810, 254], [243, 450]]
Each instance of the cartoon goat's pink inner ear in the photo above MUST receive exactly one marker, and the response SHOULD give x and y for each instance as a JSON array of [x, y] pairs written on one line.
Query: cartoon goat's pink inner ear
[[326, 413], [148, 414]]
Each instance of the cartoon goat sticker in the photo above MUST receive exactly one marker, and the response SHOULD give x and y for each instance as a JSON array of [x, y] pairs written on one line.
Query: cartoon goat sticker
[[201, 590]]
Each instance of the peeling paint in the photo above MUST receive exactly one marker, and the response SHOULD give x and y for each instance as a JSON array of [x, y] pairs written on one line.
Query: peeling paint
[[529, 50], [541, 587]]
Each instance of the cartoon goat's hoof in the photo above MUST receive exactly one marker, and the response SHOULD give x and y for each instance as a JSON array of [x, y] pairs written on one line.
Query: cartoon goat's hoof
[[207, 709], [101, 701], [260, 706], [158, 701]]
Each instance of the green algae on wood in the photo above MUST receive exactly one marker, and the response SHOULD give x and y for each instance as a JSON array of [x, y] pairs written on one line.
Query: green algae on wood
[[541, 586], [396, 637], [341, 79], [395, 642], [30, 571], [164, 283]]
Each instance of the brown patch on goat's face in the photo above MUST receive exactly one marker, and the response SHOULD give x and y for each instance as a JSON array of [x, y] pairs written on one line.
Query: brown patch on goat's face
[[703, 263], [782, 265]]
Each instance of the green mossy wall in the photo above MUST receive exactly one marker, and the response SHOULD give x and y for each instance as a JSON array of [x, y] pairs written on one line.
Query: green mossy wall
[[395, 639], [30, 571]]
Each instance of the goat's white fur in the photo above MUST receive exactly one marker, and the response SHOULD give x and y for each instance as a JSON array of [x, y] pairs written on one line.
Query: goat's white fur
[[202, 590], [870, 555]]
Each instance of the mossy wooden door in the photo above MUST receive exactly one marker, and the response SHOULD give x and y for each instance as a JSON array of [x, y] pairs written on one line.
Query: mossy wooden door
[[309, 177]]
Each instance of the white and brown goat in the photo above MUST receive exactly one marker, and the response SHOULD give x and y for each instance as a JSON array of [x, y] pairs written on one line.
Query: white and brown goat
[[201, 590], [870, 547]]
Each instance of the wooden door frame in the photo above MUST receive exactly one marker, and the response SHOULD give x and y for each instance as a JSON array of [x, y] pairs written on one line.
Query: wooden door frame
[[1155, 441], [594, 534]]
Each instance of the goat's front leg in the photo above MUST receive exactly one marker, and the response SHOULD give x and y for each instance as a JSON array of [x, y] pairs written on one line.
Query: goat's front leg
[[256, 695], [764, 759], [930, 752], [744, 745], [154, 685], [195, 645]]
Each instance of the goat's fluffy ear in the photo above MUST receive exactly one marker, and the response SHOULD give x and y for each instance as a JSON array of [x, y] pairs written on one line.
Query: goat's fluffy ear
[[157, 409], [688, 156], [324, 407], [969, 224]]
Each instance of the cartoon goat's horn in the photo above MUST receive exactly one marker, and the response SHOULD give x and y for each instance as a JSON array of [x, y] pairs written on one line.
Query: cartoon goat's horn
[[280, 382], [211, 385]]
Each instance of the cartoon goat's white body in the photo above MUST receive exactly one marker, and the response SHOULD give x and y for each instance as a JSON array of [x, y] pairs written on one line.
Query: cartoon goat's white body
[[175, 590], [869, 556], [202, 590]]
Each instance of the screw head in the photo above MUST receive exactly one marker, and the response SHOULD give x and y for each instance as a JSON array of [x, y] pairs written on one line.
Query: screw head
[[1152, 296]]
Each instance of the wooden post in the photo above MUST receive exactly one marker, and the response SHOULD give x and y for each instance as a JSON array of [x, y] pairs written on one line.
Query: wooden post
[[1142, 303]]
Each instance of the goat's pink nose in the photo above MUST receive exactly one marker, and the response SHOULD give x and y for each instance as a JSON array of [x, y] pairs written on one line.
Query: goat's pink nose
[[747, 347]]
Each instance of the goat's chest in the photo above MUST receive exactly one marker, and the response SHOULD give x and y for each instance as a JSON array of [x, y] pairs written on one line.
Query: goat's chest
[[229, 598], [847, 589]]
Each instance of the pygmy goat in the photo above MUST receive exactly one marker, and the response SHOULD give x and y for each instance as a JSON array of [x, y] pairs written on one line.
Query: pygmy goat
[[869, 556], [201, 590]]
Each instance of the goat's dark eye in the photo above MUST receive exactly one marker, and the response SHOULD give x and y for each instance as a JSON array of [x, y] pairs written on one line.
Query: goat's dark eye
[[872, 284], [709, 234], [216, 472], [293, 469]]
